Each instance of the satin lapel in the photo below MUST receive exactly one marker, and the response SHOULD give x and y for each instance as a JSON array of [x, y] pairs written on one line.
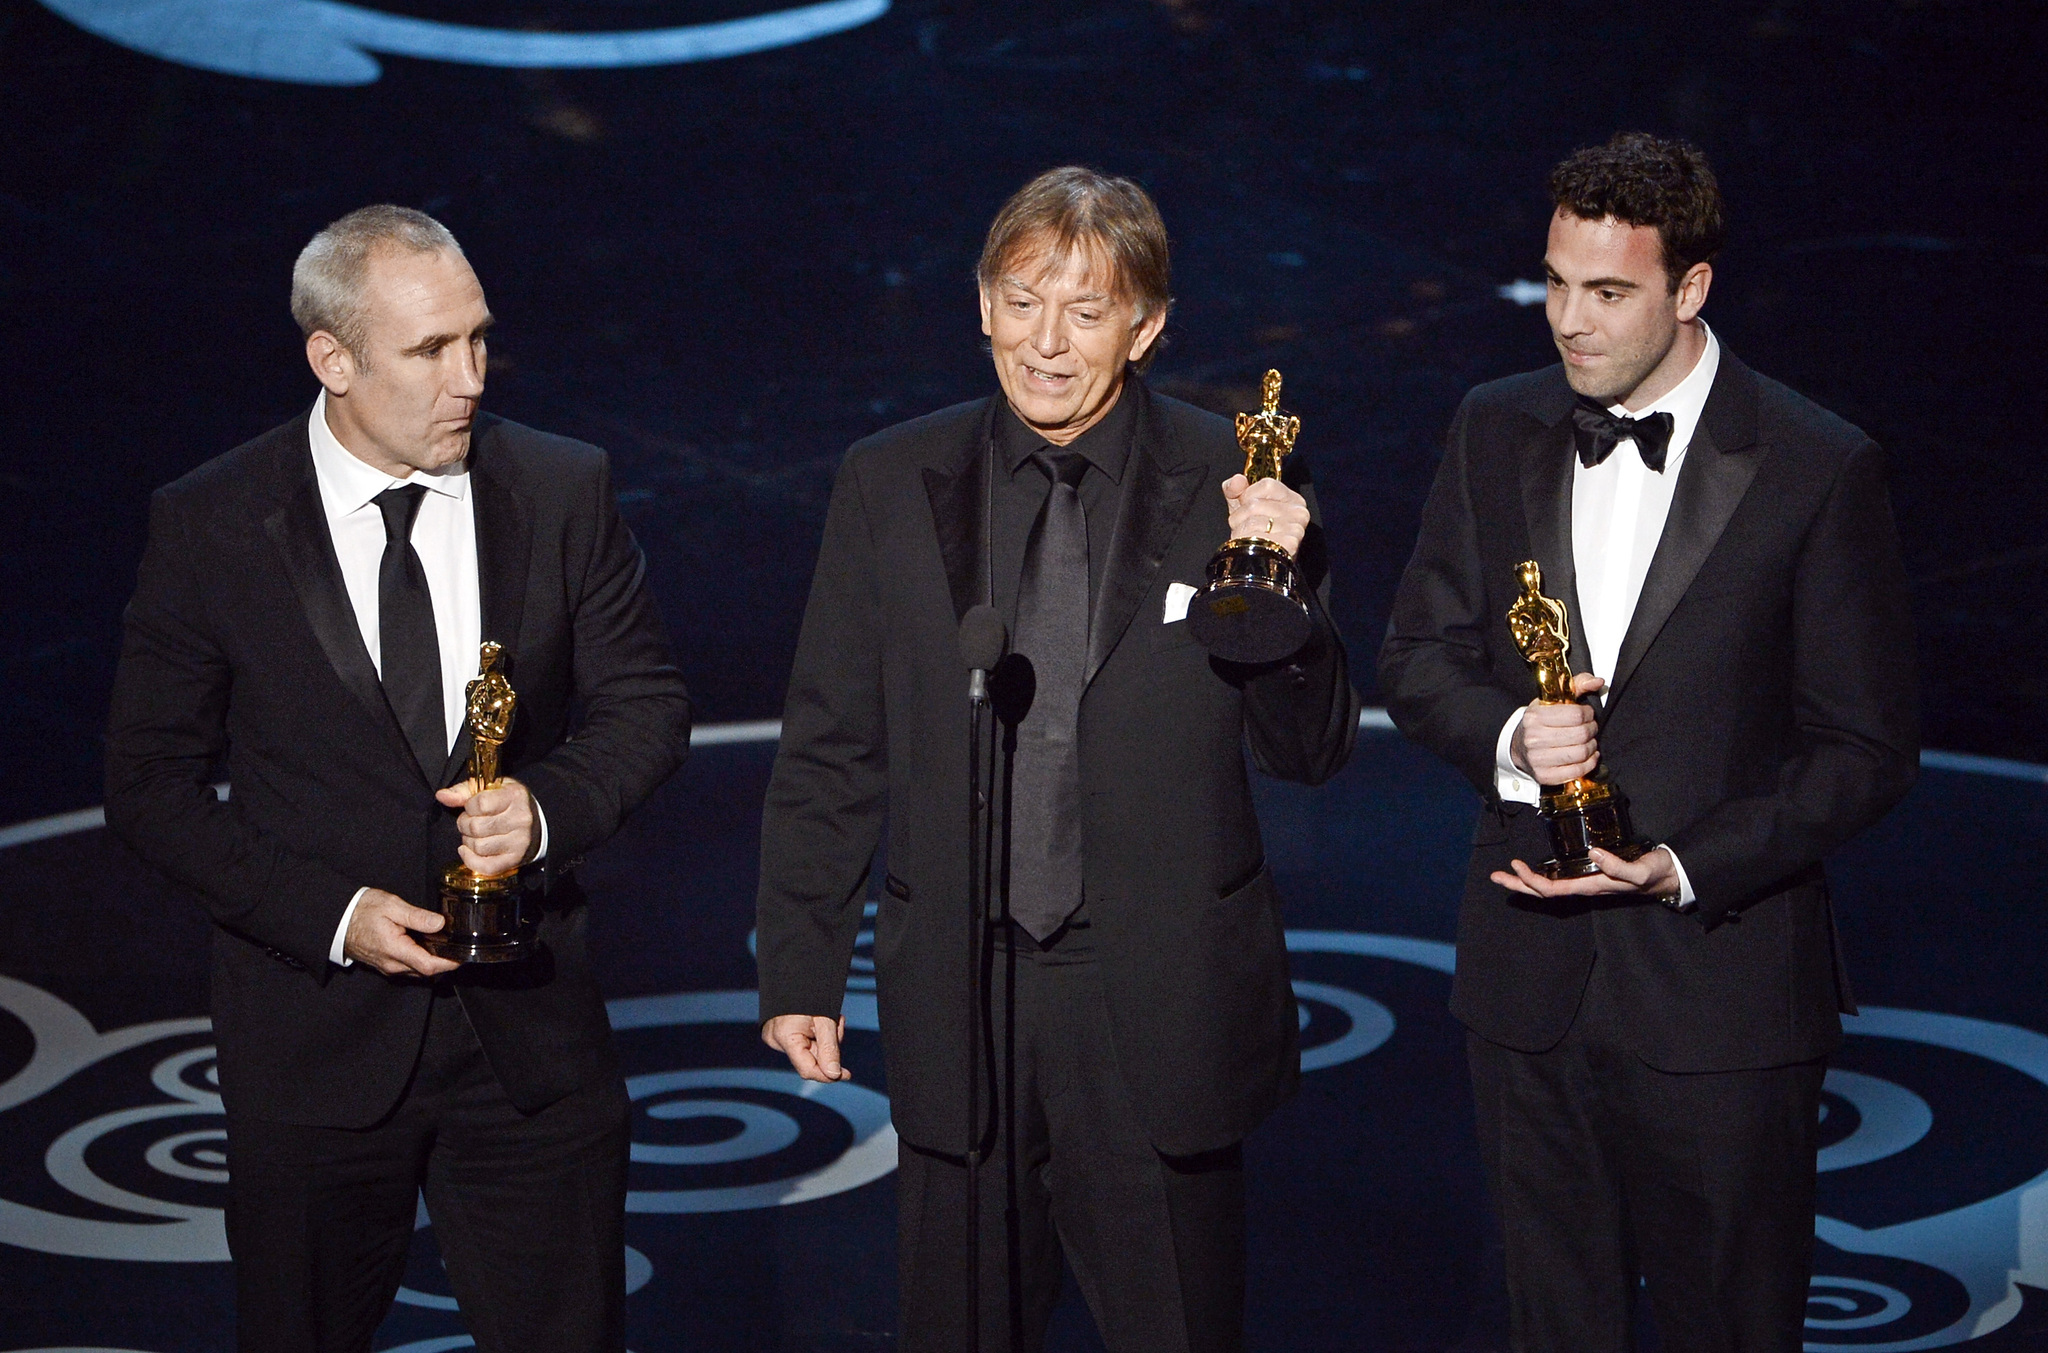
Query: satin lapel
[[299, 531], [1719, 466], [959, 503], [1157, 494], [1547, 460], [504, 540]]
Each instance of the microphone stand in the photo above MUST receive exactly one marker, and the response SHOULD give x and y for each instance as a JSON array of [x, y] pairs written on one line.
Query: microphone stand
[[977, 891]]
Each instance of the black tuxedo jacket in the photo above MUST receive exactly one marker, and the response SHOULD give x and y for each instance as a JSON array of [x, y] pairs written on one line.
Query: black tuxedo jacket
[[241, 649], [1184, 911], [1762, 711]]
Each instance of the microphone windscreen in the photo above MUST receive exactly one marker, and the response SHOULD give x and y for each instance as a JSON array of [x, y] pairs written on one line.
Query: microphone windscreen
[[983, 638]]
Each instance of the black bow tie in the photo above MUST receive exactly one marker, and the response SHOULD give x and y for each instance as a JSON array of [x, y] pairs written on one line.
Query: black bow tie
[[1597, 432]]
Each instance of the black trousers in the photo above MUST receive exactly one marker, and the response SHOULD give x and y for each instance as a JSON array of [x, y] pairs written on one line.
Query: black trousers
[[529, 1211], [1613, 1177], [1156, 1242]]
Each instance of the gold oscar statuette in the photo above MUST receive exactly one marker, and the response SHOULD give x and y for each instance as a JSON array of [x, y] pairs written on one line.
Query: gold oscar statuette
[[1589, 811], [485, 921], [1252, 609]]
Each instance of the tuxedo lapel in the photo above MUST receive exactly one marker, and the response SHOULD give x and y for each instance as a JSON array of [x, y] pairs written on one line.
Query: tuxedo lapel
[[1156, 496], [1547, 460], [299, 531], [1719, 466], [504, 538], [959, 504]]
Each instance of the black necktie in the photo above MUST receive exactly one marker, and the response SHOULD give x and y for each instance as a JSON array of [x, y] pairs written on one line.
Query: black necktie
[[411, 650], [1597, 432], [1045, 775]]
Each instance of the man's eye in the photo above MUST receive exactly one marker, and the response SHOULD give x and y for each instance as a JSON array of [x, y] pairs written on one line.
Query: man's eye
[[1088, 316]]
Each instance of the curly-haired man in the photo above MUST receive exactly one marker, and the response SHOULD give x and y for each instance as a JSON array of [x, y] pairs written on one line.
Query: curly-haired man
[[1647, 1043]]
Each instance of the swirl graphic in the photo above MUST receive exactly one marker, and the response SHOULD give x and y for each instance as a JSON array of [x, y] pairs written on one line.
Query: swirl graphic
[[326, 42], [66, 1044]]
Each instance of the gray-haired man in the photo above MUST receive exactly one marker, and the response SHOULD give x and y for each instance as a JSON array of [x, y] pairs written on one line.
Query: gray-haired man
[[309, 610]]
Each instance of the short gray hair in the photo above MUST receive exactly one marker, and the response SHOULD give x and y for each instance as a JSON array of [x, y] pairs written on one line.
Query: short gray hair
[[327, 281]]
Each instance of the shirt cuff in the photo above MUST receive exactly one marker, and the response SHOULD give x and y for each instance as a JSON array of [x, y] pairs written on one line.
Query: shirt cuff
[[337, 951], [1508, 781], [1686, 896], [542, 819]]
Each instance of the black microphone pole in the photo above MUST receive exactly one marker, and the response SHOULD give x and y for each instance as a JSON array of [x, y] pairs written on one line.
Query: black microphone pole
[[983, 640]]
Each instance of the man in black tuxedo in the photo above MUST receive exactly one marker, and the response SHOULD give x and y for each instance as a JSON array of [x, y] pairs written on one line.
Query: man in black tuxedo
[[1647, 1044], [1141, 1016], [307, 615]]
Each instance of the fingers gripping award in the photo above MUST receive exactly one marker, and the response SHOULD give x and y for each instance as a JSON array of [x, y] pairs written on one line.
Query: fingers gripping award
[[485, 920], [1587, 812], [1252, 609]]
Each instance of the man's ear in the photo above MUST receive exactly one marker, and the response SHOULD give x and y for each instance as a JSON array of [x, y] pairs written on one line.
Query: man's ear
[[1146, 333], [1692, 290], [982, 292], [332, 364]]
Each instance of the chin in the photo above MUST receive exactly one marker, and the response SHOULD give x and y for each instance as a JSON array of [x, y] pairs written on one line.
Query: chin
[[1048, 410]]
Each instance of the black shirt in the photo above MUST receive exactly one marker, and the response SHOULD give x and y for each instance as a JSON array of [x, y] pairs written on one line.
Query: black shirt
[[1021, 488]]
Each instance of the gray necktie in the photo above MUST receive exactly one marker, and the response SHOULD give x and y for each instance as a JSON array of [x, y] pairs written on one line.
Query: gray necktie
[[1052, 632]]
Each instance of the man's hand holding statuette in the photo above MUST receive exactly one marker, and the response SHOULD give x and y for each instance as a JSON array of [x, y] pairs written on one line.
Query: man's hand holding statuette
[[1268, 510], [499, 831], [377, 936], [1556, 743]]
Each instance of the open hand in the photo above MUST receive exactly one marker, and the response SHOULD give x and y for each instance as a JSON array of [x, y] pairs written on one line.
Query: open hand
[[1653, 875]]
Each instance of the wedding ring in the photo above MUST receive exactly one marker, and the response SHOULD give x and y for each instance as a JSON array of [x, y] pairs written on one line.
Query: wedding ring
[[1269, 526]]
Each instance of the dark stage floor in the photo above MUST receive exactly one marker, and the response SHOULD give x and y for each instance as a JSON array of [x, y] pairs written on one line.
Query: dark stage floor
[[728, 239], [763, 1209]]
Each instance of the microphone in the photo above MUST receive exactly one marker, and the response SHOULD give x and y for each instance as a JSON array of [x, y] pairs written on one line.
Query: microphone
[[983, 641], [983, 638]]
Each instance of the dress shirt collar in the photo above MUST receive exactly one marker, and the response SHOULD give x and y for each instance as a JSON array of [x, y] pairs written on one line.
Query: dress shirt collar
[[350, 483], [1107, 445], [1686, 400]]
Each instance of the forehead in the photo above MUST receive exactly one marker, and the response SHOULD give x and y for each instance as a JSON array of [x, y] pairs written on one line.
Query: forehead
[[1604, 248], [1083, 267], [432, 292]]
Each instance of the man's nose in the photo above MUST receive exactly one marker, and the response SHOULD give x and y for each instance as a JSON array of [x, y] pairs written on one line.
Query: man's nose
[[1048, 336], [468, 380], [1574, 315]]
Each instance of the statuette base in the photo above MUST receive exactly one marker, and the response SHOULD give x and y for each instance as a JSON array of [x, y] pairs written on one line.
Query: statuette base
[[1252, 610], [485, 920], [1583, 814]]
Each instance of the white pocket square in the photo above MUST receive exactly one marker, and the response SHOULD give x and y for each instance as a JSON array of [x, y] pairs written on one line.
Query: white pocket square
[[1178, 595]]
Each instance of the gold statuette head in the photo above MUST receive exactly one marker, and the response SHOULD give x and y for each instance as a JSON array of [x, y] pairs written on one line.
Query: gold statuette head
[[1266, 437]]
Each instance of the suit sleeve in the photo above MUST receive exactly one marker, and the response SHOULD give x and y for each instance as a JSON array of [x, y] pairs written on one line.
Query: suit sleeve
[[823, 815], [1301, 717], [1855, 711], [1439, 686], [166, 733], [635, 730]]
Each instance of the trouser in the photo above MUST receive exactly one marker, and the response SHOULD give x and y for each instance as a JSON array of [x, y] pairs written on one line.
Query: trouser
[[1156, 1242], [1696, 1189], [528, 1210]]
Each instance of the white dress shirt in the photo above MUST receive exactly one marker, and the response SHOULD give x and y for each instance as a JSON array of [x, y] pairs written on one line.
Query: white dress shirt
[[1618, 511], [443, 536]]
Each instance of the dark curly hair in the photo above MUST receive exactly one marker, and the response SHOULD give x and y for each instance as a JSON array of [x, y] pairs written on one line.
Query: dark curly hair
[[1641, 180]]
